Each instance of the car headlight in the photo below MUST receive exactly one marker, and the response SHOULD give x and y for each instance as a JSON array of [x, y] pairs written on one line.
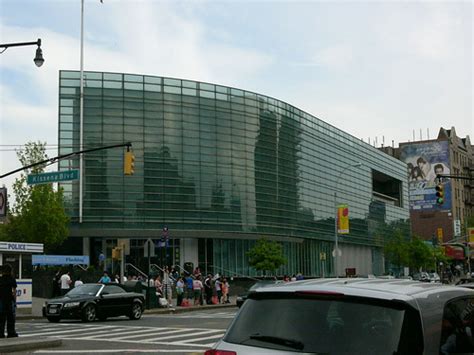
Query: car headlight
[[71, 304]]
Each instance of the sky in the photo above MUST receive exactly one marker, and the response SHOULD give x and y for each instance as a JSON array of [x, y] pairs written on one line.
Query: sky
[[379, 70]]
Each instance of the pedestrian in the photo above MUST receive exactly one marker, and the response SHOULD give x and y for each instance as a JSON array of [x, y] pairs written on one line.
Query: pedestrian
[[197, 289], [7, 302], [65, 282], [117, 279], [225, 291], [158, 287], [189, 286], [167, 291], [179, 291], [208, 288], [78, 282], [218, 285], [105, 279], [57, 284]]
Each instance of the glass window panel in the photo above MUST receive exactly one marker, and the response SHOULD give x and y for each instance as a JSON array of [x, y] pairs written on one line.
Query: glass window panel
[[207, 94], [66, 110], [113, 76], [133, 78], [152, 80], [133, 86], [70, 74], [68, 91], [172, 90], [113, 84], [189, 84], [173, 82], [151, 87], [222, 97], [191, 92], [92, 75], [65, 134], [70, 82]]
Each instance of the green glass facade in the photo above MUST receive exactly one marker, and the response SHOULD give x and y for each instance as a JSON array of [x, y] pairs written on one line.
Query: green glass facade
[[223, 166]]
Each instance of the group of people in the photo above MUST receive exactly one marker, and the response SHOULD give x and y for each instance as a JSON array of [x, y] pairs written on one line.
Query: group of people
[[7, 301], [191, 288]]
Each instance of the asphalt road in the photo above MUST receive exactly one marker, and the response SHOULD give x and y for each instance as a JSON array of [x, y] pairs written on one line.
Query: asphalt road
[[183, 333]]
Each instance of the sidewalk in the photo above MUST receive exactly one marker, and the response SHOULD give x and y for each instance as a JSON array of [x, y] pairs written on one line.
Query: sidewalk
[[21, 344]]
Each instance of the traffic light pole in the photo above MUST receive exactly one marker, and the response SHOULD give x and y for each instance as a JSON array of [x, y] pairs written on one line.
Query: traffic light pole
[[439, 176], [65, 156]]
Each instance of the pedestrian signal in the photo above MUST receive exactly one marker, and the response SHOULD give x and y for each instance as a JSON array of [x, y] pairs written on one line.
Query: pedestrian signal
[[129, 163], [439, 194]]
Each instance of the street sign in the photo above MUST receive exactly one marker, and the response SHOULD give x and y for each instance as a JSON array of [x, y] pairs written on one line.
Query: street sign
[[3, 202], [149, 245], [56, 176], [457, 227], [322, 256]]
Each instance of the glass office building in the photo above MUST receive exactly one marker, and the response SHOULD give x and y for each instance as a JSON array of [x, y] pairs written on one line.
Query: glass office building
[[221, 167]]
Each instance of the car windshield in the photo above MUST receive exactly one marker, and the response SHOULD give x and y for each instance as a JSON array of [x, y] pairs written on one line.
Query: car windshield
[[323, 326], [84, 290]]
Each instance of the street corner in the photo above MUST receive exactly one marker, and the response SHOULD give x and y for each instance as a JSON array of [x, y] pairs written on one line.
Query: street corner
[[10, 345]]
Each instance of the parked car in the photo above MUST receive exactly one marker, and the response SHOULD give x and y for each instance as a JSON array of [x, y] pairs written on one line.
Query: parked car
[[422, 276], [352, 316], [434, 277], [91, 301], [261, 283]]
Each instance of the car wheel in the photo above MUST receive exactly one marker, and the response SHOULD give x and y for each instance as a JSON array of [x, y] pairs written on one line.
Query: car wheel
[[89, 313], [54, 319], [136, 311]]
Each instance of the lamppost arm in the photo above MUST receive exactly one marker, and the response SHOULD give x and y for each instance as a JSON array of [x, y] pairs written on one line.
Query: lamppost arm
[[39, 53]]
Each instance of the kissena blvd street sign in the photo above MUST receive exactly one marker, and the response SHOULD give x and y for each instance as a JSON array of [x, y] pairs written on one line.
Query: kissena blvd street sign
[[56, 176]]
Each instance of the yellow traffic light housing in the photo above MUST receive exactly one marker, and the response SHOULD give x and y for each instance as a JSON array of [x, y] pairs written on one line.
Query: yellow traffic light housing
[[439, 194], [129, 163]]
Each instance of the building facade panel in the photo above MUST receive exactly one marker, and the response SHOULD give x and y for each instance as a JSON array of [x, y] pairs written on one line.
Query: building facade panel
[[224, 165]]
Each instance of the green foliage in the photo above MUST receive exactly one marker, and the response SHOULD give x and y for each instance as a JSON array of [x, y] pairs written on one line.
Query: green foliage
[[38, 214], [420, 254], [266, 256], [396, 250]]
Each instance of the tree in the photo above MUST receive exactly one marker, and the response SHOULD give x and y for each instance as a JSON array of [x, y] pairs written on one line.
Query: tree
[[266, 256], [420, 254], [38, 214], [396, 251]]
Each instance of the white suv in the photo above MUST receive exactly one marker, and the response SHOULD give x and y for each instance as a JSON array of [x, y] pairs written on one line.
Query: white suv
[[353, 316]]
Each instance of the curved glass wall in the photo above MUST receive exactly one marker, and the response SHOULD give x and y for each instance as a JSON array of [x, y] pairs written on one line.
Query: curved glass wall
[[215, 159]]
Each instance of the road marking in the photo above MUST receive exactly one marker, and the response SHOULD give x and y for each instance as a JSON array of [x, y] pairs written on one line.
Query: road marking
[[57, 331], [207, 331], [215, 336], [154, 331]]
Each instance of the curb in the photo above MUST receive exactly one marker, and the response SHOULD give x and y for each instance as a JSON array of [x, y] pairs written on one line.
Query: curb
[[174, 310], [171, 310], [21, 344]]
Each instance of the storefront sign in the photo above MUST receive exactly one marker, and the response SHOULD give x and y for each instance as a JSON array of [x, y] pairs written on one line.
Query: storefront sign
[[21, 247], [60, 260]]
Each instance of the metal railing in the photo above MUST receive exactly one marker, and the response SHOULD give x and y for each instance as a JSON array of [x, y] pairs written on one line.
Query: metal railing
[[136, 269]]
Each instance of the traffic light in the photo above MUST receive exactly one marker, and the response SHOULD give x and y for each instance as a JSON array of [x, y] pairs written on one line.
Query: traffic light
[[439, 194], [129, 163]]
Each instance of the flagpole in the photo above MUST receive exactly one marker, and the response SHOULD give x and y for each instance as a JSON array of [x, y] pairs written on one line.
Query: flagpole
[[81, 117]]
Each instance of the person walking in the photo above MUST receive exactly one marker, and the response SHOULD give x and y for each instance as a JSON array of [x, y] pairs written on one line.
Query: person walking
[[218, 286], [57, 284], [7, 302], [65, 282], [189, 286], [167, 292], [78, 282], [225, 291], [208, 288], [179, 291], [197, 288], [105, 279]]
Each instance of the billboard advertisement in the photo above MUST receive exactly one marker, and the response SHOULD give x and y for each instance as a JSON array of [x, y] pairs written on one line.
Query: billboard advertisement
[[424, 161]]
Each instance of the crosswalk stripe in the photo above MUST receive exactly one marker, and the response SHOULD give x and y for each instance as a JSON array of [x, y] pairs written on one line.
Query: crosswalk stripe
[[215, 336], [57, 332], [208, 331], [151, 331]]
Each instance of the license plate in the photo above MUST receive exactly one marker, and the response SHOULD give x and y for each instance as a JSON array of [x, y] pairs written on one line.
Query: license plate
[[53, 311]]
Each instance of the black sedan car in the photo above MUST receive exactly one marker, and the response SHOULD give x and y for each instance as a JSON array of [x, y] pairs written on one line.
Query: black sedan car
[[91, 301]]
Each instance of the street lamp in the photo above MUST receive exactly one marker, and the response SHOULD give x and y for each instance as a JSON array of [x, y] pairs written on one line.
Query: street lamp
[[39, 53], [336, 246]]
